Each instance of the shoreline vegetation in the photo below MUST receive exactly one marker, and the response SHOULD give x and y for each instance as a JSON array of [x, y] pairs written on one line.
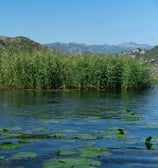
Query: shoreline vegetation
[[47, 70]]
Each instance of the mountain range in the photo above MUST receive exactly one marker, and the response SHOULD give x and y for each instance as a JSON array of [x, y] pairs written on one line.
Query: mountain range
[[21, 43], [24, 44], [96, 49]]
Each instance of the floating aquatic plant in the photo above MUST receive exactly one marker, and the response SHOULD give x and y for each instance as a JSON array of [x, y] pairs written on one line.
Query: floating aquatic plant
[[2, 157], [3, 130], [57, 135], [148, 142], [22, 155], [41, 129], [14, 128], [65, 153], [121, 133], [111, 132], [35, 136], [9, 145], [26, 140], [92, 151], [12, 134], [68, 131], [89, 152], [85, 137], [52, 120], [72, 163]]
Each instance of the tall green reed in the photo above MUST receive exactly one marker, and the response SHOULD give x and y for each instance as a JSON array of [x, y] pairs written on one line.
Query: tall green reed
[[49, 70]]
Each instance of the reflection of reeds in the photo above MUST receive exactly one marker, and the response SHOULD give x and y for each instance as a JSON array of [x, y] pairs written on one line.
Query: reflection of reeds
[[47, 70]]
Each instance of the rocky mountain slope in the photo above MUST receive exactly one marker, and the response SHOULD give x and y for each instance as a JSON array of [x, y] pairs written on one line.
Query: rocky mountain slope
[[151, 56]]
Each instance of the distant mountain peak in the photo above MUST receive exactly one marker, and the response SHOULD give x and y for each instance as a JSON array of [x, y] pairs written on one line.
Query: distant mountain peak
[[133, 45], [97, 49]]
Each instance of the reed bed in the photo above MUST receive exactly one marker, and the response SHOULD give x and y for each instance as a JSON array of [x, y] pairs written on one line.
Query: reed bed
[[50, 70]]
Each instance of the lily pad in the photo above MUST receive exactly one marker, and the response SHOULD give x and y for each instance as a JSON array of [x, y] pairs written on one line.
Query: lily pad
[[111, 128], [120, 136], [3, 129], [41, 129], [14, 128], [130, 122], [111, 133], [94, 162], [68, 131], [65, 153], [151, 125], [34, 136], [57, 135], [9, 145], [102, 132], [52, 120], [2, 157], [22, 155], [56, 164], [12, 134], [89, 153], [92, 151], [85, 137], [106, 153], [72, 162], [92, 119], [26, 140], [120, 133]]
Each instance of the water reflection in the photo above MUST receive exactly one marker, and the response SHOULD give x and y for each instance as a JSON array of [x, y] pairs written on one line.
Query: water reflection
[[109, 105]]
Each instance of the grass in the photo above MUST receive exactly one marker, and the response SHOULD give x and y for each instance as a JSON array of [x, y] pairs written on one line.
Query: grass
[[49, 70]]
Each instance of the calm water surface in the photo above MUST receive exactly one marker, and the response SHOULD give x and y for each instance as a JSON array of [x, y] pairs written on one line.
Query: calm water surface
[[58, 120]]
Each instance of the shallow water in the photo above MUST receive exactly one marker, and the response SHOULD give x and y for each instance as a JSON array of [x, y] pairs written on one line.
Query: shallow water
[[74, 120]]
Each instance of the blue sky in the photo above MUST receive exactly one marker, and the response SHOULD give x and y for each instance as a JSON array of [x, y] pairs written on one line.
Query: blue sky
[[81, 21]]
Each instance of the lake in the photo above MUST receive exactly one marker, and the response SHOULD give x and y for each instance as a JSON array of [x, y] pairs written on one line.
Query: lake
[[78, 129]]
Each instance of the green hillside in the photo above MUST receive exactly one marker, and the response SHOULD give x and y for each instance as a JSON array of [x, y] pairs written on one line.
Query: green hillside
[[19, 44], [152, 56]]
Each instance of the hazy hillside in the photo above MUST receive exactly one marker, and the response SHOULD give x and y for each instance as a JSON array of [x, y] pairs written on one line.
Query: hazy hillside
[[97, 49]]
